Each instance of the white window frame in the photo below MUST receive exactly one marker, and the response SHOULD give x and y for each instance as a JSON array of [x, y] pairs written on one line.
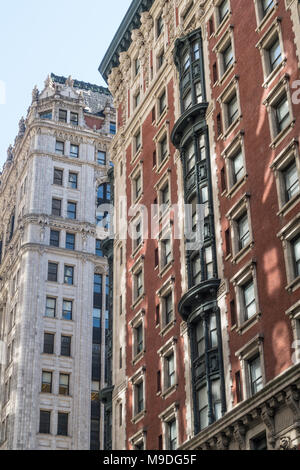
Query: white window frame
[[226, 40], [225, 98], [164, 291], [229, 154], [235, 213], [168, 415], [260, 19], [136, 379], [287, 234], [246, 354], [164, 352], [139, 319]]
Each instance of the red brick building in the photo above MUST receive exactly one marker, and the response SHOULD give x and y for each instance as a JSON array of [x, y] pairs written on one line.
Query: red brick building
[[206, 337]]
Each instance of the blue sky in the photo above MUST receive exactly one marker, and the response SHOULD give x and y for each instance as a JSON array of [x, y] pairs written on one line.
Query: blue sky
[[61, 36]]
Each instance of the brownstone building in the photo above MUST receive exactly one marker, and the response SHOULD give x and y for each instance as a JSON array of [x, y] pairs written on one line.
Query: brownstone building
[[206, 334]]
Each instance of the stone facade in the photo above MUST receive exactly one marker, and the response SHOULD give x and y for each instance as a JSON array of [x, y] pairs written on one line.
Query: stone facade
[[55, 156]]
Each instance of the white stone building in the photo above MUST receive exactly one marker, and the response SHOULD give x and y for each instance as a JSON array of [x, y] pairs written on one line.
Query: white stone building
[[53, 279]]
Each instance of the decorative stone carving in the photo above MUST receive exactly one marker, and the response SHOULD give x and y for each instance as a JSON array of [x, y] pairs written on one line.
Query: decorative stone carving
[[70, 81], [22, 127], [35, 94], [239, 433], [286, 444], [49, 82], [10, 155]]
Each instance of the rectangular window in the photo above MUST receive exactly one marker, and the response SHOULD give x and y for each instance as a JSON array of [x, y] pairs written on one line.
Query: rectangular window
[[112, 128], [71, 210], [243, 231], [70, 241], [200, 339], [56, 207], [227, 55], [64, 384], [50, 307], [99, 251], [54, 238], [58, 177], [59, 148], [46, 115], [138, 142], [266, 6], [196, 270], [282, 114], [62, 115], [46, 382], [172, 434], [160, 59], [237, 167], [101, 157], [223, 10], [170, 369], [291, 181], [65, 349], [137, 186], [232, 110], [165, 195], [45, 417], [67, 312], [139, 283], [259, 442], [203, 407], [74, 119], [52, 272], [137, 99], [274, 53], [162, 102], [73, 180], [255, 375], [249, 299], [62, 424], [296, 255], [137, 66], [48, 343], [139, 390], [159, 26], [139, 338], [69, 275], [166, 252], [74, 151], [168, 308]]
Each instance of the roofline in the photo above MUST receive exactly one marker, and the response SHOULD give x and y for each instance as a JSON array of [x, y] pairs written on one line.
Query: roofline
[[82, 85], [122, 38]]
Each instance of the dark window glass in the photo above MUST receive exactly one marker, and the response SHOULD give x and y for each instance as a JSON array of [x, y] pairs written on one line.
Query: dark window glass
[[48, 343], [101, 157], [139, 397], [266, 6], [65, 346], [74, 119], [282, 114], [46, 115], [112, 128], [56, 207], [46, 382], [60, 148], [159, 25], [259, 443], [70, 241], [54, 238], [62, 115], [64, 384], [52, 272], [291, 181], [58, 177], [99, 251], [74, 151], [139, 339], [44, 422], [62, 424], [172, 435], [296, 255]]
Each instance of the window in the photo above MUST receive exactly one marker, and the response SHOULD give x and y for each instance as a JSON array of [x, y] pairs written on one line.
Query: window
[[71, 210], [54, 238], [168, 308], [62, 115], [50, 307], [187, 100], [48, 343], [46, 115], [74, 151], [139, 288], [74, 119], [202, 399], [45, 417], [62, 424], [190, 157], [266, 6], [46, 382], [68, 275], [162, 102], [67, 312], [227, 55], [137, 241], [274, 53], [196, 270], [243, 231], [223, 10], [137, 186], [101, 157], [138, 142], [291, 181], [99, 251], [65, 349], [166, 252], [237, 165], [163, 148], [282, 114], [159, 26], [112, 128], [259, 442], [58, 177], [139, 338], [295, 244], [249, 299], [96, 317], [52, 272], [172, 434], [64, 384], [137, 66], [56, 207], [232, 109], [59, 148], [255, 375], [139, 392], [165, 195], [73, 180], [170, 370], [216, 399], [160, 59], [137, 99], [208, 261], [70, 241]]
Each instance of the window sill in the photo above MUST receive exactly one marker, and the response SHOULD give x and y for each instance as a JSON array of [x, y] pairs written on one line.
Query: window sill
[[161, 117], [138, 417], [225, 74], [222, 24], [136, 155], [162, 163], [137, 301], [231, 128], [136, 250], [166, 393], [294, 285], [166, 268], [264, 20], [137, 200], [167, 328], [289, 205], [269, 79], [233, 190], [279, 137], [248, 323], [243, 252], [138, 357]]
